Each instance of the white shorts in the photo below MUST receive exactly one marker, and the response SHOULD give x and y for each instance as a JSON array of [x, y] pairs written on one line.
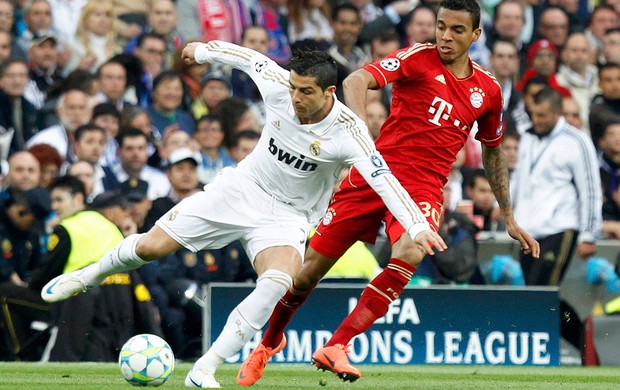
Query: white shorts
[[233, 208]]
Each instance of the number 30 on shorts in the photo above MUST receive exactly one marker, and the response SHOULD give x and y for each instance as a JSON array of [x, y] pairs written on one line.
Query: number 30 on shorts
[[430, 211]]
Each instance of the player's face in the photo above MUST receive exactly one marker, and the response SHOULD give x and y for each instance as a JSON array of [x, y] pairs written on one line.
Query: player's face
[[454, 34], [310, 102]]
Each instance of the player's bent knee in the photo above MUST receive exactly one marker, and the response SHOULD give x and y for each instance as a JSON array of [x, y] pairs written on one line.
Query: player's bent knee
[[155, 244], [408, 251]]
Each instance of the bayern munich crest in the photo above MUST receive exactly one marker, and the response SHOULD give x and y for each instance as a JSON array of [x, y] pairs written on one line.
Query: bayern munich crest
[[390, 64], [477, 97], [329, 216]]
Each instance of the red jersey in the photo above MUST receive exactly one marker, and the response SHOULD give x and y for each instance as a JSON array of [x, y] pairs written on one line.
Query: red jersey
[[432, 113]]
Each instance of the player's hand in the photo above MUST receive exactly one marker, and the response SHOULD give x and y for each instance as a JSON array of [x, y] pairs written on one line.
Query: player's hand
[[189, 52], [529, 246], [428, 240]]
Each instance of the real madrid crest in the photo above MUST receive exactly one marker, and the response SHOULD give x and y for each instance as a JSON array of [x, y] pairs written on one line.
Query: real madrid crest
[[315, 148], [477, 97], [172, 215]]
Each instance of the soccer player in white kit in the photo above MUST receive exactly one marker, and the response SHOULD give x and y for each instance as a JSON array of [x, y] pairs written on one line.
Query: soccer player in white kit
[[270, 200]]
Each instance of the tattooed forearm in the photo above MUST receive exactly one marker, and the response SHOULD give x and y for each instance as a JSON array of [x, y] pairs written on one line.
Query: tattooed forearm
[[496, 170]]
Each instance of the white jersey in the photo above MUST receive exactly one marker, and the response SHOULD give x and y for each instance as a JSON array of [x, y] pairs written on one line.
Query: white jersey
[[299, 164]]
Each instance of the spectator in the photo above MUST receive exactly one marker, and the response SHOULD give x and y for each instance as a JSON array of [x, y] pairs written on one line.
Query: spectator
[[17, 114], [310, 20], [95, 37], [510, 146], [5, 45], [243, 142], [65, 19], [377, 114], [49, 161], [21, 251], [235, 116], [479, 191], [347, 25], [266, 13], [38, 20], [542, 59], [24, 173], [557, 196], [106, 116], [174, 140], [138, 118], [81, 236], [111, 80], [605, 107], [135, 192], [44, 69], [381, 45], [133, 155], [210, 136], [73, 111], [78, 79], [609, 163], [85, 172], [602, 18], [508, 23], [554, 26], [572, 112], [505, 67], [216, 86], [611, 45], [90, 143], [420, 25], [578, 74], [151, 53], [7, 21], [165, 111]]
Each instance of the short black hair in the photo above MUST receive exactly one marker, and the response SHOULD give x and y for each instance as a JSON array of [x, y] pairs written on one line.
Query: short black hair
[[71, 184], [147, 35], [244, 134], [4, 65], [608, 65], [165, 76], [538, 79], [345, 7], [470, 6], [317, 64], [130, 132], [89, 127], [475, 174], [548, 94]]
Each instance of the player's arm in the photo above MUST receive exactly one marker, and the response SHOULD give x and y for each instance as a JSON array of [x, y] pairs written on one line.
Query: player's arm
[[354, 90], [263, 71], [496, 170]]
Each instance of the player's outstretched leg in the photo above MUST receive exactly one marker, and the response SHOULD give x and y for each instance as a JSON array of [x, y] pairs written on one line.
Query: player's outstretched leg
[[254, 365], [122, 257], [335, 359]]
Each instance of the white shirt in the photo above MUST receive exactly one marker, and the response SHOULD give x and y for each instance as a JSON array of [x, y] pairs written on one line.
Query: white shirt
[[299, 164], [55, 136], [558, 184]]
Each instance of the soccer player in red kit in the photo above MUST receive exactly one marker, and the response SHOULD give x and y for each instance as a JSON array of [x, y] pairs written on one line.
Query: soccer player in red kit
[[438, 93]]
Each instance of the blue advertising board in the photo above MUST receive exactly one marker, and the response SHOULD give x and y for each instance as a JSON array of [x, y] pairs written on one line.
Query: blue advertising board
[[435, 325]]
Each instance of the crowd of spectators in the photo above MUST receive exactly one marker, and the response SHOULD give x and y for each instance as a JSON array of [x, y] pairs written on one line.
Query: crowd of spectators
[[97, 90]]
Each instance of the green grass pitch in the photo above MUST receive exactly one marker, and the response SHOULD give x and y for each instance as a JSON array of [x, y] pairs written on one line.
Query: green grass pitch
[[101, 376]]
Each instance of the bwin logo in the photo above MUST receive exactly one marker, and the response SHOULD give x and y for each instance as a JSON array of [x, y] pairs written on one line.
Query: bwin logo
[[296, 162]]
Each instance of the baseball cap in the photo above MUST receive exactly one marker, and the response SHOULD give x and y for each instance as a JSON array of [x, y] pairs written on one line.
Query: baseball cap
[[134, 190], [39, 202], [109, 199], [215, 75], [40, 38], [183, 154]]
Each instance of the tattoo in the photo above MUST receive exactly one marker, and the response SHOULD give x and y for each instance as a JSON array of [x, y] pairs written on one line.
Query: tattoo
[[496, 170]]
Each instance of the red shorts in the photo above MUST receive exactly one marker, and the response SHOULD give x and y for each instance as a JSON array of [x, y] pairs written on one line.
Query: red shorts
[[355, 214]]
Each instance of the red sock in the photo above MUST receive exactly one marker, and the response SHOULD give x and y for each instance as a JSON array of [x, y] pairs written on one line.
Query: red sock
[[282, 315], [374, 302]]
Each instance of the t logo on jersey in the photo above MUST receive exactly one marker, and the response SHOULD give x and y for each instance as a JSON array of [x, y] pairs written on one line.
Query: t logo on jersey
[[296, 162], [441, 109]]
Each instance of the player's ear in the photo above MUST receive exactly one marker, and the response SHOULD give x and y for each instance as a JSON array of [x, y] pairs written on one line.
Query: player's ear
[[476, 34], [329, 91]]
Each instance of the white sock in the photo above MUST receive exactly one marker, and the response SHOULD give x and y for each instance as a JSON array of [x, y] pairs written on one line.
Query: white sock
[[121, 258], [247, 318]]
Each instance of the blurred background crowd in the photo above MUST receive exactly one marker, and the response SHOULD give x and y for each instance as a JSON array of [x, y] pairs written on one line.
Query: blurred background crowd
[[103, 128]]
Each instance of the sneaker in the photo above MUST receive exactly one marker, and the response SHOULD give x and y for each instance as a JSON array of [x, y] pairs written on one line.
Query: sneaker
[[254, 365], [335, 359], [64, 286], [200, 379]]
